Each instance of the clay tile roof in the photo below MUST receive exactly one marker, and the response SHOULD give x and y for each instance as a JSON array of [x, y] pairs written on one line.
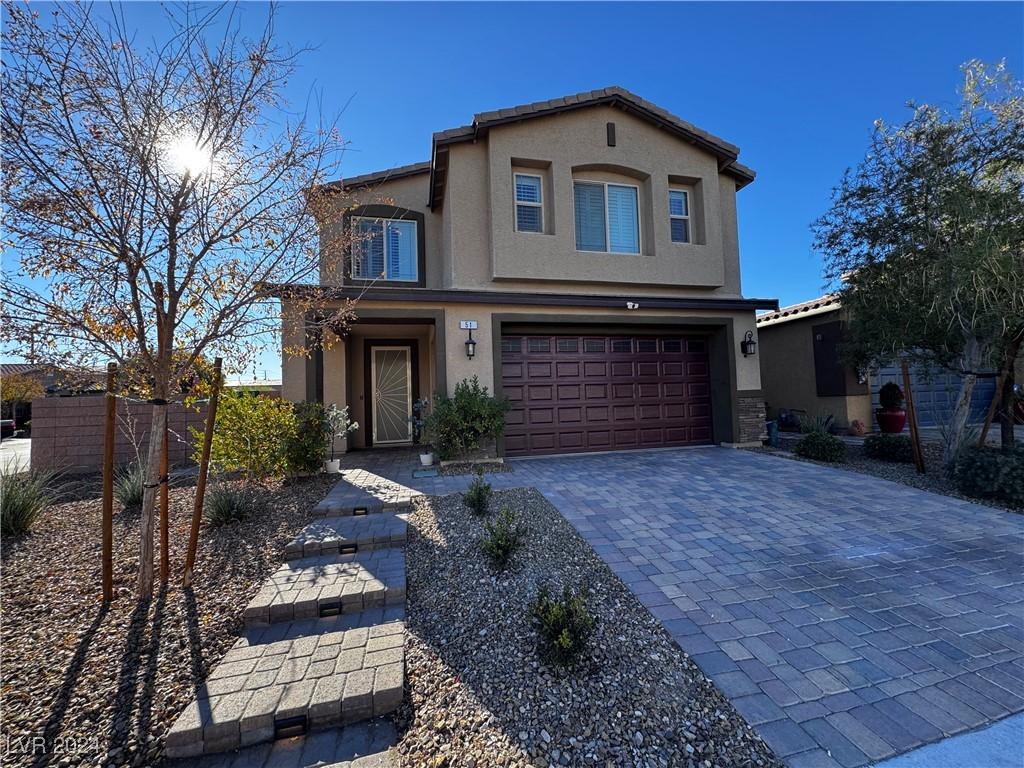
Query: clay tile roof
[[818, 306], [388, 174]]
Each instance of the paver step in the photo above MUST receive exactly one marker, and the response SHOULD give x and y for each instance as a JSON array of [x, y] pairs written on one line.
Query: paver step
[[328, 585], [359, 505], [347, 535], [263, 691]]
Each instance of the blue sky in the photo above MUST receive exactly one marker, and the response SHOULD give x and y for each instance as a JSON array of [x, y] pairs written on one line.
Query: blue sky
[[796, 86]]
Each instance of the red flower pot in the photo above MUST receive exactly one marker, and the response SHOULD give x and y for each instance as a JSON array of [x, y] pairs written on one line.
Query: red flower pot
[[891, 422]]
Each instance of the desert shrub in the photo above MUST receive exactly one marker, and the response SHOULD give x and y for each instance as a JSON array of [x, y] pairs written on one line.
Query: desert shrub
[[502, 538], [821, 446], [130, 484], [456, 424], [564, 626], [890, 397], [889, 447], [478, 496], [228, 503], [23, 497], [991, 473], [816, 424], [306, 446], [250, 435]]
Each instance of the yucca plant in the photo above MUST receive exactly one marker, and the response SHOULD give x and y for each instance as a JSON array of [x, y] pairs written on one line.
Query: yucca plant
[[227, 503], [23, 497], [130, 484]]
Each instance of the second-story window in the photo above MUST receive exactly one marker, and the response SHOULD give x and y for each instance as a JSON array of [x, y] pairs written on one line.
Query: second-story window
[[384, 249], [529, 203], [607, 217], [679, 215]]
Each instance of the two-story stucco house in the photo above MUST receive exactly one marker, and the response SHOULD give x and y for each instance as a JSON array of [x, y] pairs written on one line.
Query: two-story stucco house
[[589, 246]]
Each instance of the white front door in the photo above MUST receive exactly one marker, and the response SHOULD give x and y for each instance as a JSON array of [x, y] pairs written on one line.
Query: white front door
[[391, 380]]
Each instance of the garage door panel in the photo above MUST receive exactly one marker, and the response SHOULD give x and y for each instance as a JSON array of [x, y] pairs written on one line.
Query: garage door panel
[[587, 393]]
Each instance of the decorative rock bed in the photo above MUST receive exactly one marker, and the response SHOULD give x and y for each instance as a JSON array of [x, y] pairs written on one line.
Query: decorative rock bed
[[478, 694]]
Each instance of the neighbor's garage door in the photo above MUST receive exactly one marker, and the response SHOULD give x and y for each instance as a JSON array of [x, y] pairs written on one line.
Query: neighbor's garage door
[[597, 393]]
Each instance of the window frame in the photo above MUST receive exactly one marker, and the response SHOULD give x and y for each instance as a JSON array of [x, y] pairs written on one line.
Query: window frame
[[539, 205], [686, 218], [385, 277], [607, 226]]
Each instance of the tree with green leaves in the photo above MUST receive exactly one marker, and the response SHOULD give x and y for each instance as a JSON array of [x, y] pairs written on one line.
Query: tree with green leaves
[[924, 241]]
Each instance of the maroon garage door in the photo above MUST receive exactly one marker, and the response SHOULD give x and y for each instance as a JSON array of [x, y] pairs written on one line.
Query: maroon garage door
[[597, 393]]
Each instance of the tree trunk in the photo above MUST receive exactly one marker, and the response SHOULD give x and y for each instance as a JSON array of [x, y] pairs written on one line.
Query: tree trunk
[[962, 410], [1006, 436], [146, 524]]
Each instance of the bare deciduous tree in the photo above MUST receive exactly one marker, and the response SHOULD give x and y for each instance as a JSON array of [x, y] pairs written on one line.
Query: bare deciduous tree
[[134, 170]]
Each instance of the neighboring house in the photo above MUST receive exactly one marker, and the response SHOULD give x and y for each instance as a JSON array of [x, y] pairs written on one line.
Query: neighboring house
[[591, 244], [801, 371]]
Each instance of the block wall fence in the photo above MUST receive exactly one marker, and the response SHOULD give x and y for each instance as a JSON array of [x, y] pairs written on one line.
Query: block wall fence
[[67, 432]]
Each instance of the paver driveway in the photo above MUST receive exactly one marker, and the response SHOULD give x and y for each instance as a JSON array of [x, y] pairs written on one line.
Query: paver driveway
[[847, 618]]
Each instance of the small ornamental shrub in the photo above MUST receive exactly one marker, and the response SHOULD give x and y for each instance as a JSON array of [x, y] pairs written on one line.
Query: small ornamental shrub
[[250, 435], [564, 626], [816, 424], [228, 503], [307, 445], [457, 424], [890, 397], [130, 484], [821, 446], [502, 539], [889, 448], [478, 496], [991, 473], [23, 497]]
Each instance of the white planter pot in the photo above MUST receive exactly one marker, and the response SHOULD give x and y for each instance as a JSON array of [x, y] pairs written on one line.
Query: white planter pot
[[332, 466], [427, 459]]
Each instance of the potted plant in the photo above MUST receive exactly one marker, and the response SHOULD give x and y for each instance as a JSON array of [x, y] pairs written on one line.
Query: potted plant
[[339, 427], [891, 416], [419, 430]]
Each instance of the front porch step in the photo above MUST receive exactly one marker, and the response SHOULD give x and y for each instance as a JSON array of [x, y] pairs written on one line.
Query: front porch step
[[356, 505], [361, 491], [345, 535], [328, 585], [265, 691]]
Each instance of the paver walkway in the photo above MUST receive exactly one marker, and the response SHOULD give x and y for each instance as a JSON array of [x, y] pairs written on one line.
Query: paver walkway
[[847, 618]]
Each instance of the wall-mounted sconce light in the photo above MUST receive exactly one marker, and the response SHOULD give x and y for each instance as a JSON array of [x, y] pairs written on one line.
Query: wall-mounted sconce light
[[470, 345], [748, 346]]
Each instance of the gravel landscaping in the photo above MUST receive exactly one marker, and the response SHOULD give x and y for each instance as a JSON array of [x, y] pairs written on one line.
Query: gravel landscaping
[[103, 686], [478, 695], [472, 467], [935, 479]]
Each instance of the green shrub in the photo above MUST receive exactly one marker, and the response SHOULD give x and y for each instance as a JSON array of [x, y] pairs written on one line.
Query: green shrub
[[890, 397], [564, 626], [456, 424], [821, 446], [23, 497], [502, 539], [991, 473], [130, 484], [478, 496], [816, 424], [889, 448], [307, 445], [228, 503], [250, 435]]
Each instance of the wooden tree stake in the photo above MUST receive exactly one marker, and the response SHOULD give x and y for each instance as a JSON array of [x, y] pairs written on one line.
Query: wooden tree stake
[[165, 557], [107, 557], [204, 469], [915, 435]]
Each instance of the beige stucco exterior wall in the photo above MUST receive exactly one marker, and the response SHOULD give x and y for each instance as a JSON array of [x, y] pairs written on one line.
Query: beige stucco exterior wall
[[293, 367], [786, 353], [471, 242]]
